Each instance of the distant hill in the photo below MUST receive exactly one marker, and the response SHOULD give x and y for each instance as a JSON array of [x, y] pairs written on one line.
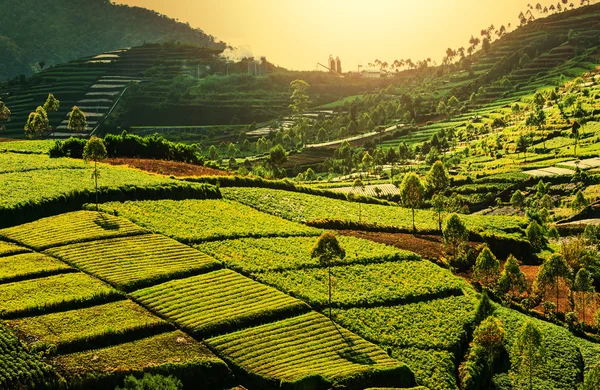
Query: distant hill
[[57, 31]]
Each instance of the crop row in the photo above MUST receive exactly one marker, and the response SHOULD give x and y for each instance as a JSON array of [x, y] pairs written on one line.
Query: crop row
[[309, 350], [172, 353], [70, 228], [305, 208], [41, 295], [217, 302], [20, 369], [367, 285], [287, 253], [87, 327], [193, 221], [432, 369], [437, 324], [29, 265], [19, 162], [134, 262], [9, 249]]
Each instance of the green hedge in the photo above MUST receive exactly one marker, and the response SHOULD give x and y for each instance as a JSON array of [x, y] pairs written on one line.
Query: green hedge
[[31, 210]]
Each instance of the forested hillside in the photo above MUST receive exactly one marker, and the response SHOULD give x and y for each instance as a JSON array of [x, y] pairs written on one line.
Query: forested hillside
[[36, 33]]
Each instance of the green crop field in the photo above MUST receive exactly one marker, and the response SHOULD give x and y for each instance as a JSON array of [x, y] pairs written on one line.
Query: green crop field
[[52, 292], [304, 208], [133, 262], [193, 221], [359, 285], [166, 354], [9, 249], [70, 228], [29, 146], [433, 369], [288, 253], [311, 348], [217, 301], [86, 326], [18, 162], [28, 266]]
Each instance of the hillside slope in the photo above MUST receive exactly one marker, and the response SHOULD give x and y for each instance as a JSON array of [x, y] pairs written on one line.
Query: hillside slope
[[76, 28]]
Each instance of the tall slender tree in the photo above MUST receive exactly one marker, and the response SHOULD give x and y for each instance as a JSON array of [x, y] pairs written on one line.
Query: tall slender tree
[[411, 194], [551, 272], [327, 249], [528, 353], [95, 151]]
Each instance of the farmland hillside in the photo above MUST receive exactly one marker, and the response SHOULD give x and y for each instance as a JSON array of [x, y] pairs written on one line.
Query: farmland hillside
[[78, 28]]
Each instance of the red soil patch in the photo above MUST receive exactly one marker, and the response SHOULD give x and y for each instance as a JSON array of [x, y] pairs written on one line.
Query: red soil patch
[[168, 168]]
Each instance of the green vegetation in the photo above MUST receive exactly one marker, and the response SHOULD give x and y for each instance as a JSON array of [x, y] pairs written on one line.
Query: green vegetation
[[359, 285], [433, 369], [53, 292], [220, 220], [129, 263], [29, 266], [80, 226], [312, 351], [173, 353], [250, 255], [217, 302], [9, 249], [88, 326]]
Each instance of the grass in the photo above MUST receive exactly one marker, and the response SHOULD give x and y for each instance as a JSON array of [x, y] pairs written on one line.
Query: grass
[[70, 228], [437, 324], [310, 348], [29, 265], [304, 208], [193, 221], [218, 301], [51, 293], [367, 285], [84, 326], [289, 253], [40, 146], [129, 263], [172, 353]]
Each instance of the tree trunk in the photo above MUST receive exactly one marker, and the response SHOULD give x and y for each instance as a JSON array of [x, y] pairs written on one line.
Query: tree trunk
[[96, 180], [329, 271], [413, 221], [440, 220], [557, 294]]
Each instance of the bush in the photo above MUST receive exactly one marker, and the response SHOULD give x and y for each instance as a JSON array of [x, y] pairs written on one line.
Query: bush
[[535, 236], [151, 382]]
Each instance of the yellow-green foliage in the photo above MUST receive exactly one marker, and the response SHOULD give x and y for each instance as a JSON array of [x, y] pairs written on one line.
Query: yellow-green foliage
[[7, 249], [216, 301], [28, 265], [303, 346], [70, 228], [202, 220], [132, 262]]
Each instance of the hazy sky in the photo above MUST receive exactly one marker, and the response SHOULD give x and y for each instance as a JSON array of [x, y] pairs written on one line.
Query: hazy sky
[[299, 33]]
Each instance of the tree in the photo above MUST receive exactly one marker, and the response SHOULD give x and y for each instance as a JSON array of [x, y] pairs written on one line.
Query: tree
[[437, 178], [37, 123], [575, 127], [528, 352], [52, 104], [151, 382], [326, 249], [4, 114], [300, 102], [489, 336], [552, 270], [277, 157], [580, 202], [94, 150], [455, 233], [212, 152], [522, 145], [438, 201], [583, 285], [487, 267], [535, 235], [411, 194], [358, 186], [367, 161], [517, 200], [512, 278], [77, 120]]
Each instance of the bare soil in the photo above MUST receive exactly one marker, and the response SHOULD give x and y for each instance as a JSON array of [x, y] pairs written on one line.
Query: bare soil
[[168, 168]]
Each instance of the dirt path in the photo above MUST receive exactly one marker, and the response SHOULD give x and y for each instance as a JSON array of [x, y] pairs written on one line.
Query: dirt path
[[168, 168]]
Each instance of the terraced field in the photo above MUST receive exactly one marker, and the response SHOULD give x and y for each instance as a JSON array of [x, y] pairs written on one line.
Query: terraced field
[[217, 302], [29, 265], [129, 263]]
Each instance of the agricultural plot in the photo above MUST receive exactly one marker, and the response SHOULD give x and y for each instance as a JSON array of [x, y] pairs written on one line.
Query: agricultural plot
[[438, 324], [19, 368], [367, 285], [312, 351], [134, 262], [172, 353], [70, 228], [9, 249], [28, 266], [288, 253], [19, 162], [303, 208], [53, 292], [193, 221], [88, 326], [29, 146], [432, 369], [217, 302], [371, 190]]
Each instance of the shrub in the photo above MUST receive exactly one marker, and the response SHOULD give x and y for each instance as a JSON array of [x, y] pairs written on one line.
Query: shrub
[[535, 236], [151, 382]]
